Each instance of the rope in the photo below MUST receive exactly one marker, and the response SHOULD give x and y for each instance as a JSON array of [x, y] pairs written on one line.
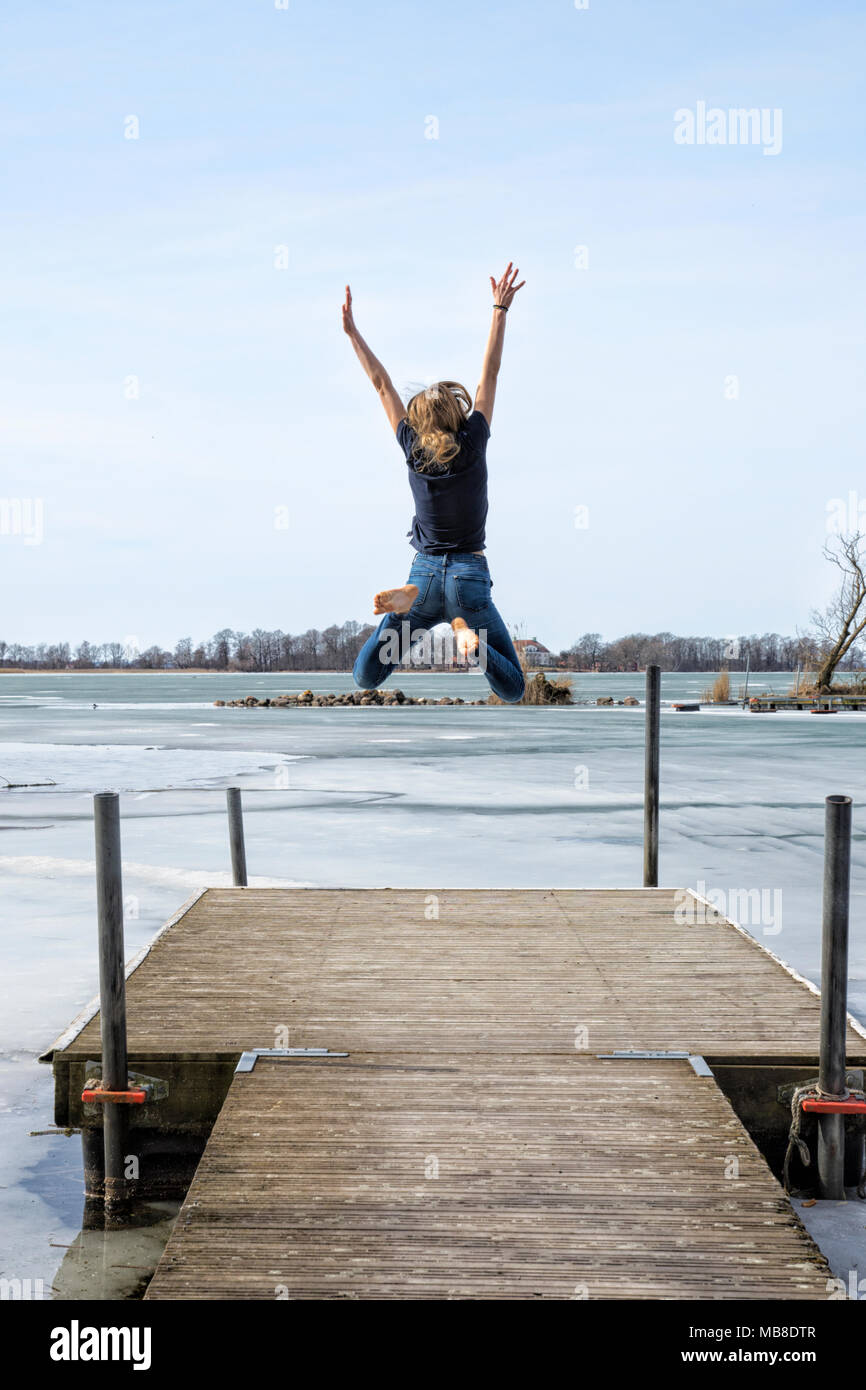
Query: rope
[[812, 1091]]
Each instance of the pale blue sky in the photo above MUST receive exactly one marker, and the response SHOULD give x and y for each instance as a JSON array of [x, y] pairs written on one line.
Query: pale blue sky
[[305, 127]]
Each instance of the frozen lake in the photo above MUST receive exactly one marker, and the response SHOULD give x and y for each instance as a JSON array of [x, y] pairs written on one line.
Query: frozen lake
[[404, 796]]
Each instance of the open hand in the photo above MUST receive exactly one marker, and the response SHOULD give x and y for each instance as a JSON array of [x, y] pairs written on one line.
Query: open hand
[[348, 320], [505, 289]]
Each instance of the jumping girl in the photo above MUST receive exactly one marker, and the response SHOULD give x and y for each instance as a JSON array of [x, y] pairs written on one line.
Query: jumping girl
[[444, 441]]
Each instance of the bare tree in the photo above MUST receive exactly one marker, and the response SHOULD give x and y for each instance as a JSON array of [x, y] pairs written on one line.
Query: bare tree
[[183, 653], [586, 651], [221, 648], [154, 659], [835, 631]]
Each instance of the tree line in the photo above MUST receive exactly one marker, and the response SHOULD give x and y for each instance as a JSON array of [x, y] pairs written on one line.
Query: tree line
[[335, 649], [767, 652]]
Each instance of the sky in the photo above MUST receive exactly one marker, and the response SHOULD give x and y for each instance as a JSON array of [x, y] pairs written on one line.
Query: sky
[[188, 442]]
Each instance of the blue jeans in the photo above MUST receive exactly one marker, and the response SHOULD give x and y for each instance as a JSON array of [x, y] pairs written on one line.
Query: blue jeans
[[449, 586]]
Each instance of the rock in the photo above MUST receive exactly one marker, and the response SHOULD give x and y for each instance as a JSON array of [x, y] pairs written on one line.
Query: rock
[[381, 697], [604, 700], [631, 700]]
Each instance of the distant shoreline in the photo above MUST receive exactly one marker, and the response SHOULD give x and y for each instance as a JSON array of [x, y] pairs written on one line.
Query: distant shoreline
[[404, 672], [139, 671], [246, 675]]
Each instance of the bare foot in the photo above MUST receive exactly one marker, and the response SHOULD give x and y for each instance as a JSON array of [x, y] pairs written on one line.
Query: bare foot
[[395, 600], [466, 639]]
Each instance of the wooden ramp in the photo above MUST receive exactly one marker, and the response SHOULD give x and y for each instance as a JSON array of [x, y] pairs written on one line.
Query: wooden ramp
[[474, 1021], [454, 1176]]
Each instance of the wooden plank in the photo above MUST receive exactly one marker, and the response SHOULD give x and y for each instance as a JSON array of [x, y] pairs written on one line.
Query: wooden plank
[[495, 971], [556, 1177]]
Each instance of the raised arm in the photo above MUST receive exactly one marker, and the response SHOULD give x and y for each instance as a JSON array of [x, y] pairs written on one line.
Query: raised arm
[[503, 293], [394, 407]]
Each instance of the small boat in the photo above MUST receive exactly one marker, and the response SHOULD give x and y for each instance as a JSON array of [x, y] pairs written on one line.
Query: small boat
[[683, 708], [826, 709]]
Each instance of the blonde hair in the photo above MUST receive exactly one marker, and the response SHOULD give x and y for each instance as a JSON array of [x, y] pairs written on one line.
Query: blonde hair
[[436, 415]]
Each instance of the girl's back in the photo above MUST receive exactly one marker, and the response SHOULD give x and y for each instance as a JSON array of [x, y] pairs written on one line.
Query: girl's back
[[450, 497]]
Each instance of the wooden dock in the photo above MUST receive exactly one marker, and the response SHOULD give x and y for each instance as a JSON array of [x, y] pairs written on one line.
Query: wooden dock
[[477, 1141], [769, 703]]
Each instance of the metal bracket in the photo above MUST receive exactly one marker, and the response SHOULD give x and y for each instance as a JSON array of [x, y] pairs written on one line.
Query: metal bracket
[[696, 1062], [836, 1105], [785, 1094], [248, 1059], [142, 1089]]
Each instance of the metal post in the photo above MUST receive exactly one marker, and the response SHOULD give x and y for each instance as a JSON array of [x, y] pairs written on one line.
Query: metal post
[[651, 780], [748, 668], [236, 837], [112, 994], [834, 991]]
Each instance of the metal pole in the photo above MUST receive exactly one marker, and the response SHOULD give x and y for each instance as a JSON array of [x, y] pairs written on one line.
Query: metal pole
[[236, 837], [748, 668], [834, 991], [112, 993], [651, 780]]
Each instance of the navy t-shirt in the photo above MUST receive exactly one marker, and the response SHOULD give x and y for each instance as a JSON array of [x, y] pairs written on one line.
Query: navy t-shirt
[[450, 507]]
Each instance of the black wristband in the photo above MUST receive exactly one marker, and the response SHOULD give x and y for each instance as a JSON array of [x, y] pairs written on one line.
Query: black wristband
[[503, 307]]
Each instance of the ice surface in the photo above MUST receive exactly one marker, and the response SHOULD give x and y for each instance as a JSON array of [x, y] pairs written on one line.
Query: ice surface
[[430, 796]]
